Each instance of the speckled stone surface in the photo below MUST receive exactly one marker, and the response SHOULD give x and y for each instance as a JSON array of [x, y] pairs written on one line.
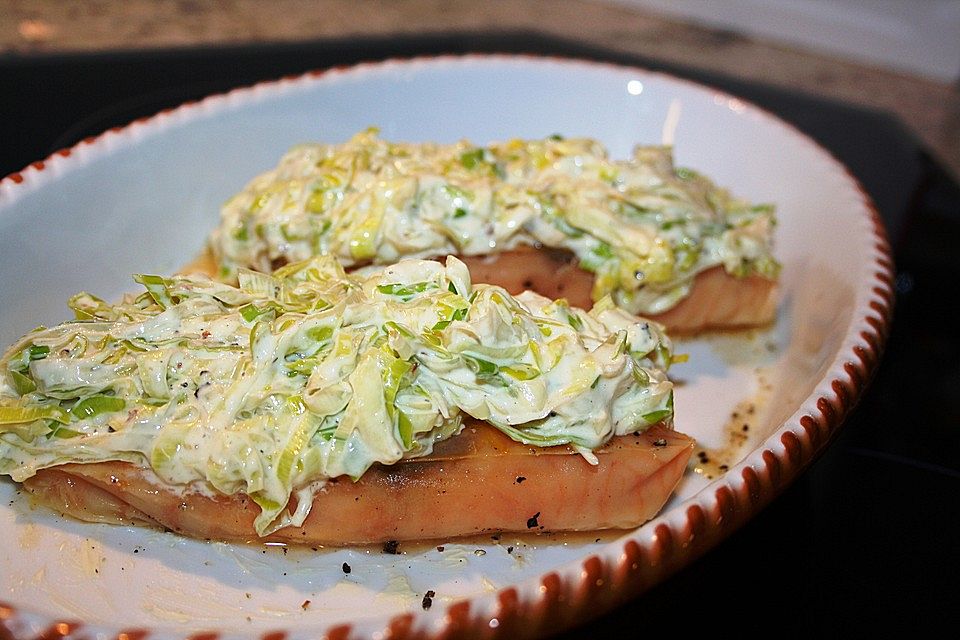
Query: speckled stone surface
[[930, 109]]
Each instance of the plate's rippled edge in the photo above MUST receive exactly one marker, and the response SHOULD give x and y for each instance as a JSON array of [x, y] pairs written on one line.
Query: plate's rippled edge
[[582, 590]]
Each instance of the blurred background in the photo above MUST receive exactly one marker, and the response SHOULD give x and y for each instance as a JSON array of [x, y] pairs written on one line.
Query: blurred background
[[899, 56]]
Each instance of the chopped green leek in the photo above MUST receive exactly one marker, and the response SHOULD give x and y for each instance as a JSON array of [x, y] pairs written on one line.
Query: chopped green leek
[[644, 226], [22, 415], [22, 384], [95, 405]]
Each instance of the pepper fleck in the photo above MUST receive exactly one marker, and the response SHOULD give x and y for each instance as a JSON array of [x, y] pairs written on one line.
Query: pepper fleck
[[660, 442], [391, 547], [306, 603], [428, 599], [532, 522], [520, 479], [346, 568]]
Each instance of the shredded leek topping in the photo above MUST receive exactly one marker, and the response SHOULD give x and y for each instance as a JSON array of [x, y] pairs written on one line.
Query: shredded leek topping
[[273, 386], [644, 227]]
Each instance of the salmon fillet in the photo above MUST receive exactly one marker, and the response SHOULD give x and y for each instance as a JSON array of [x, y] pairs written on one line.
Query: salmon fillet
[[476, 482], [717, 299]]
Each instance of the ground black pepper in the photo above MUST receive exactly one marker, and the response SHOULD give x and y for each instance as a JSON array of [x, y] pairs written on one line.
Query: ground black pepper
[[391, 547]]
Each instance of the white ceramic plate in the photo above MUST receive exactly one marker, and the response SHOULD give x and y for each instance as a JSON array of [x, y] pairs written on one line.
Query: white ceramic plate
[[143, 198]]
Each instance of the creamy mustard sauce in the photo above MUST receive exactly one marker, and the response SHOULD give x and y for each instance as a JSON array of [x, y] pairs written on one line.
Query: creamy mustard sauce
[[644, 227]]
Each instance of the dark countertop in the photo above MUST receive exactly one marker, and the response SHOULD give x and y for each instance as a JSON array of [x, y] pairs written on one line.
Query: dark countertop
[[930, 109]]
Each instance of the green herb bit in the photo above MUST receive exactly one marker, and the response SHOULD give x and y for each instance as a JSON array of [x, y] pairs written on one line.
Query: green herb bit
[[405, 291], [656, 416], [57, 430], [320, 334], [24, 415], [485, 370], [38, 351], [685, 173], [158, 288], [22, 360], [472, 158], [521, 371], [22, 384], [250, 313], [96, 405], [603, 251], [640, 375], [403, 331], [405, 429]]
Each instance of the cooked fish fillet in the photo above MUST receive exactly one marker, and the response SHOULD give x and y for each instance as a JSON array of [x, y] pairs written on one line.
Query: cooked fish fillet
[[476, 482]]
